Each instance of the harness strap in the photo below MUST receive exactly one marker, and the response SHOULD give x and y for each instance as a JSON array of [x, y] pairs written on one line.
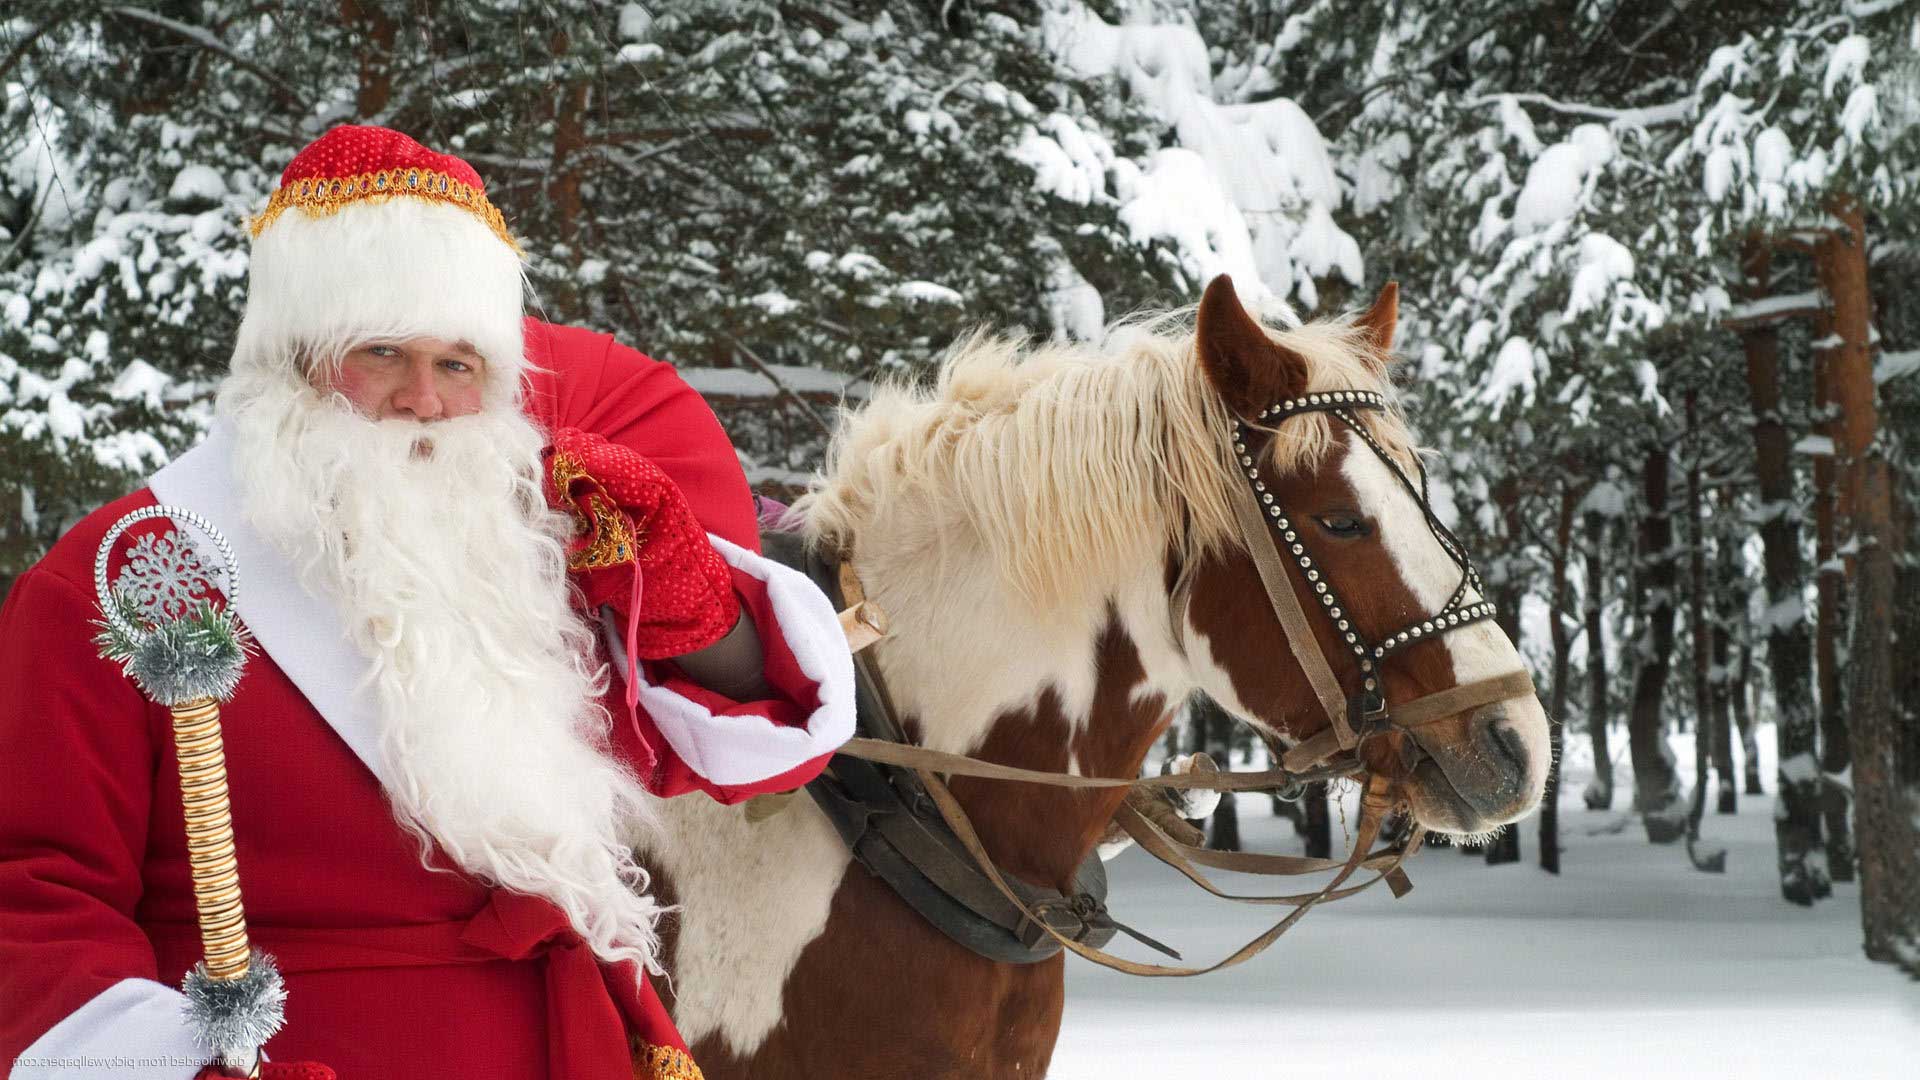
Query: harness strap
[[1183, 857], [1293, 619], [1374, 804], [1416, 713], [921, 758], [1420, 712], [1458, 699], [888, 822]]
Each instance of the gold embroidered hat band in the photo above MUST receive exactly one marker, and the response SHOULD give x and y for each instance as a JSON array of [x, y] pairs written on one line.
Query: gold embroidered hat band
[[352, 164]]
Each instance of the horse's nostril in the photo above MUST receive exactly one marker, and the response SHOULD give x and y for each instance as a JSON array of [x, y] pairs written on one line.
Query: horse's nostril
[[1507, 743]]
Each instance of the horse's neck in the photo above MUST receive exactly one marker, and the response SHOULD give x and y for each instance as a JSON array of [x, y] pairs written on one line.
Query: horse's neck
[[1086, 692]]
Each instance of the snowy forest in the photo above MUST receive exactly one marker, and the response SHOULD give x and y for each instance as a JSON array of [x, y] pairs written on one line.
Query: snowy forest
[[1654, 261]]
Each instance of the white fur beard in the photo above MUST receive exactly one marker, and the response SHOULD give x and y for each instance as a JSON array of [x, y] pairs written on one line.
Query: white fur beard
[[436, 543]]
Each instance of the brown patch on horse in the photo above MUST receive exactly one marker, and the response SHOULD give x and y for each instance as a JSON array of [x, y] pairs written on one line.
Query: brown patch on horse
[[1230, 606], [888, 995], [1043, 833]]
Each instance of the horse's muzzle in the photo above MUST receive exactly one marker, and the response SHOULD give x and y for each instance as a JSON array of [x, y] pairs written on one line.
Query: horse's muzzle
[[1493, 775]]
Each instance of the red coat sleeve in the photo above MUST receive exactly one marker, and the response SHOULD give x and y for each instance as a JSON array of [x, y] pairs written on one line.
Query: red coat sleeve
[[79, 750], [588, 381]]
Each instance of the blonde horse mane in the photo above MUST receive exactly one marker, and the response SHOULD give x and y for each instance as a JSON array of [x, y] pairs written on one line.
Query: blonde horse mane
[[1069, 463]]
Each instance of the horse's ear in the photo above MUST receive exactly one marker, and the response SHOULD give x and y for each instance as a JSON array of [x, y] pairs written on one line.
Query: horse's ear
[[1249, 369], [1380, 320]]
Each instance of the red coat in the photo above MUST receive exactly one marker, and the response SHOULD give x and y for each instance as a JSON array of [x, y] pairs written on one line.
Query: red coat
[[392, 970]]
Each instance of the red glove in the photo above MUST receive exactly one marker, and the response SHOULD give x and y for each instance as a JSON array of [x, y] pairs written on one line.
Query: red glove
[[275, 1070], [637, 541]]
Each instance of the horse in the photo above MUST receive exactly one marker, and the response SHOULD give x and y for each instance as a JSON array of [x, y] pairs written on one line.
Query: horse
[[1050, 530]]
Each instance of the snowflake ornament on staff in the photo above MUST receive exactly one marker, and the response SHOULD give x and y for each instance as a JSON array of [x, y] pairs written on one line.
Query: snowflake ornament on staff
[[161, 624]]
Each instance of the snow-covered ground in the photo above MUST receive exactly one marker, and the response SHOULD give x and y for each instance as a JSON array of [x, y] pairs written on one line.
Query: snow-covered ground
[[1630, 964]]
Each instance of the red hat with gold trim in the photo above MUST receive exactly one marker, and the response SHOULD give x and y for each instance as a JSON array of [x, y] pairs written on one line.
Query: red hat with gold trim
[[371, 235]]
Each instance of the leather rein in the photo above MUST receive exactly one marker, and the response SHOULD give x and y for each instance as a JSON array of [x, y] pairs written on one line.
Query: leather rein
[[1336, 752]]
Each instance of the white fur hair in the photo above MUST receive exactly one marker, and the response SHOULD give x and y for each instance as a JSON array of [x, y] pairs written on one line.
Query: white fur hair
[[390, 270], [437, 545]]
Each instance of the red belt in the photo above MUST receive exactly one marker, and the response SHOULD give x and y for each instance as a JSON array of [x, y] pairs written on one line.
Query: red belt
[[590, 1005]]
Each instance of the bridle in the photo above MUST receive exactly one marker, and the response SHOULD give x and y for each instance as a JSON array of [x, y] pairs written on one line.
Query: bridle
[[1272, 538]]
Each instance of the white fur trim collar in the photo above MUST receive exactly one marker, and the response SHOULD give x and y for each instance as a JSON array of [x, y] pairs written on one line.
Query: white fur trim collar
[[303, 633]]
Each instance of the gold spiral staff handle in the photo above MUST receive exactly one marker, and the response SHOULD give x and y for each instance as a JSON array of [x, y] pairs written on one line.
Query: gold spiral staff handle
[[159, 622], [210, 854]]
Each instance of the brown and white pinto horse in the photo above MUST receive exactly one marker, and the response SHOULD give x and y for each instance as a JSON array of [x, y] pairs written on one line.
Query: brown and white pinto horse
[[1023, 523]]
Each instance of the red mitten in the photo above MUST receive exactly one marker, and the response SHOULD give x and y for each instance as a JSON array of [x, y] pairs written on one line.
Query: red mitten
[[275, 1070], [637, 542]]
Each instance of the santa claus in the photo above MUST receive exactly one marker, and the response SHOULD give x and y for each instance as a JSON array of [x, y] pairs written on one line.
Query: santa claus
[[504, 582]]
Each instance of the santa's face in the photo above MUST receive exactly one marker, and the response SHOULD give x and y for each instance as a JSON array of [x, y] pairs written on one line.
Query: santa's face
[[422, 378]]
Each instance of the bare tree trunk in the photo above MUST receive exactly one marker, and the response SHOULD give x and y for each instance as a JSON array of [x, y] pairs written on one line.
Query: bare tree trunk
[[1705, 746], [1558, 616], [1599, 793], [1656, 782], [570, 101], [1702, 667], [1803, 873], [1727, 603], [1319, 821], [1830, 579], [1507, 588], [1906, 715], [375, 31], [1906, 631], [1743, 691], [1889, 836]]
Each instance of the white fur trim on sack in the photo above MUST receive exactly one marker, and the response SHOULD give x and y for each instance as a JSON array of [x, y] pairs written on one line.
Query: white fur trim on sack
[[133, 1030], [735, 751]]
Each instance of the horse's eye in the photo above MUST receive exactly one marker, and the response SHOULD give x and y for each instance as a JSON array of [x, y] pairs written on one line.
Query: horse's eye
[[1345, 526]]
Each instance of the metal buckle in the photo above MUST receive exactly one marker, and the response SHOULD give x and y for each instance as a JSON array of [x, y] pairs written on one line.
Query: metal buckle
[[1367, 716]]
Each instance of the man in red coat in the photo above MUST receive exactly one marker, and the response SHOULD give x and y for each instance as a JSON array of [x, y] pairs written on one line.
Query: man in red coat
[[504, 581]]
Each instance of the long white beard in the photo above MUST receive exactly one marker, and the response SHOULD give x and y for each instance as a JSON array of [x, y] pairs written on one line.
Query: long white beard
[[449, 570]]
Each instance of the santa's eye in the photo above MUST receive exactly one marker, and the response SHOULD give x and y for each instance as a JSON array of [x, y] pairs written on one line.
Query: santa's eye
[[1344, 526]]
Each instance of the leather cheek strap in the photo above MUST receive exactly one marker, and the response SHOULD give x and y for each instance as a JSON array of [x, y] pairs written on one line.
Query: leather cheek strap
[[1293, 618]]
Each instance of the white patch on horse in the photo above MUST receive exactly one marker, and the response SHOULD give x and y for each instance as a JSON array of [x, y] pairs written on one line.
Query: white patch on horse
[[1479, 651], [950, 625], [753, 896]]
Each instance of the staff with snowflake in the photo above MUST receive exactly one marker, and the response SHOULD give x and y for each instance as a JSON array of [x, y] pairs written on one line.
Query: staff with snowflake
[[160, 623]]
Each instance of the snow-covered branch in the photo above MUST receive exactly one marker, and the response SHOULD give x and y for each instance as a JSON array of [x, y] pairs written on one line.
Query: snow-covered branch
[[1771, 309], [206, 40], [1649, 116]]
